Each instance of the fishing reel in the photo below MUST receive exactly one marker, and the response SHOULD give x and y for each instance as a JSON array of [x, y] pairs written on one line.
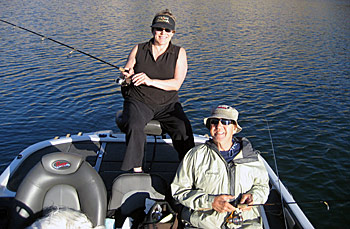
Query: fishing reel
[[236, 216], [121, 79]]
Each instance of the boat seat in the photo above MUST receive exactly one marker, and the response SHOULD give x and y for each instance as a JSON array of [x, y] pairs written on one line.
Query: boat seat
[[130, 190], [152, 128], [61, 180]]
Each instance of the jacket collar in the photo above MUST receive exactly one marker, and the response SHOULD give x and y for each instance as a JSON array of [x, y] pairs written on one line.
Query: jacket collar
[[247, 153]]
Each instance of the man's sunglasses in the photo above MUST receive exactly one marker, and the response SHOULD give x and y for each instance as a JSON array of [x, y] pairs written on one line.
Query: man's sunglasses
[[225, 122], [161, 29]]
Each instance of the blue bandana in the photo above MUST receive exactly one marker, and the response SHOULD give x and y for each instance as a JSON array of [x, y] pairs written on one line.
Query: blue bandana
[[231, 153]]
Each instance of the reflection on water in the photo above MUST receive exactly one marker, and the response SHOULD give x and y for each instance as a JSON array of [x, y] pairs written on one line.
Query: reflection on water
[[285, 63]]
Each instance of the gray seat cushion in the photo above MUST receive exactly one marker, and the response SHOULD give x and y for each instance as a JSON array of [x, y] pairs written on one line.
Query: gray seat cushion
[[68, 175]]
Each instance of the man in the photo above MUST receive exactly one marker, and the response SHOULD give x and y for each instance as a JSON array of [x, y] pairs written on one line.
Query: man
[[214, 173]]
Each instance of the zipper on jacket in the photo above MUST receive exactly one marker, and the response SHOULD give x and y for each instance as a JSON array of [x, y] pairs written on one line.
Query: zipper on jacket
[[232, 174]]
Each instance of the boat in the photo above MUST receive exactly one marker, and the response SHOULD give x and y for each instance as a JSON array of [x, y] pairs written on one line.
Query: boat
[[104, 151]]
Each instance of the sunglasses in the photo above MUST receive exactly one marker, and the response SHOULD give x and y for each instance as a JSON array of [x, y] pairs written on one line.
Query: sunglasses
[[225, 122], [161, 29]]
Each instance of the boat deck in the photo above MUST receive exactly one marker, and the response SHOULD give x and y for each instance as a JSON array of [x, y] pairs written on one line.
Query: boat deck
[[105, 152]]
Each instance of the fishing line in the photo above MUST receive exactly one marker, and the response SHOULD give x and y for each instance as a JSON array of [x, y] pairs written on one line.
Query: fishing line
[[278, 176], [68, 46]]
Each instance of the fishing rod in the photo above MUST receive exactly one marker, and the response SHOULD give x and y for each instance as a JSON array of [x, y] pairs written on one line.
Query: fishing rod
[[236, 218], [236, 203], [118, 80], [287, 203]]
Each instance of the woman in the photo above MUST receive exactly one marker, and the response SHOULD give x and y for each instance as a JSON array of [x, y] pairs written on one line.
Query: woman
[[155, 72]]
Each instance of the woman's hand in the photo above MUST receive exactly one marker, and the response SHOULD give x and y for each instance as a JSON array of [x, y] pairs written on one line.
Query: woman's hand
[[141, 78], [127, 74]]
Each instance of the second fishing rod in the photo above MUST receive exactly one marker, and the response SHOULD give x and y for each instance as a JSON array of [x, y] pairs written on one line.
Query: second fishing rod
[[119, 80]]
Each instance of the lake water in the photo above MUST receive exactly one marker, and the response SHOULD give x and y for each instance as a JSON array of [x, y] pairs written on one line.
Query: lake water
[[285, 65]]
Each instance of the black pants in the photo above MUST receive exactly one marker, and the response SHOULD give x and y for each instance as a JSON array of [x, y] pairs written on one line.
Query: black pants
[[135, 117]]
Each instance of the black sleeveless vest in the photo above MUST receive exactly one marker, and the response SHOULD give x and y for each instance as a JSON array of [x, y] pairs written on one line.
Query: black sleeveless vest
[[163, 68]]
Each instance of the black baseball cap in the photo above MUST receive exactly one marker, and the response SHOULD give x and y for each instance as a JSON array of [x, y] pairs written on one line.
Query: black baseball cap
[[163, 21]]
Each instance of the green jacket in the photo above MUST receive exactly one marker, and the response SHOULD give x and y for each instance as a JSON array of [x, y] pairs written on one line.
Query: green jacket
[[204, 174]]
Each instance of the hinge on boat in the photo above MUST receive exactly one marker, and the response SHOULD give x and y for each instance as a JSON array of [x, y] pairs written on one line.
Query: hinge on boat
[[100, 157]]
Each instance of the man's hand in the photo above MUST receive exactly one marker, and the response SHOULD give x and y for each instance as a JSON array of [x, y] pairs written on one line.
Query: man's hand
[[221, 203], [247, 199]]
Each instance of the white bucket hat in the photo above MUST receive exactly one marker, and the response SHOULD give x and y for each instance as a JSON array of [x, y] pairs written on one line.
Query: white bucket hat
[[225, 112]]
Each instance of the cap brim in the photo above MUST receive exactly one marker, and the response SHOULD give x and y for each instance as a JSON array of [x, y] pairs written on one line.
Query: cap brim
[[163, 25]]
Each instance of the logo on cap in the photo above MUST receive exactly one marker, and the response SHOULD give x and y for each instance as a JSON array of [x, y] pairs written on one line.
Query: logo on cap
[[163, 19], [223, 107], [61, 164]]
